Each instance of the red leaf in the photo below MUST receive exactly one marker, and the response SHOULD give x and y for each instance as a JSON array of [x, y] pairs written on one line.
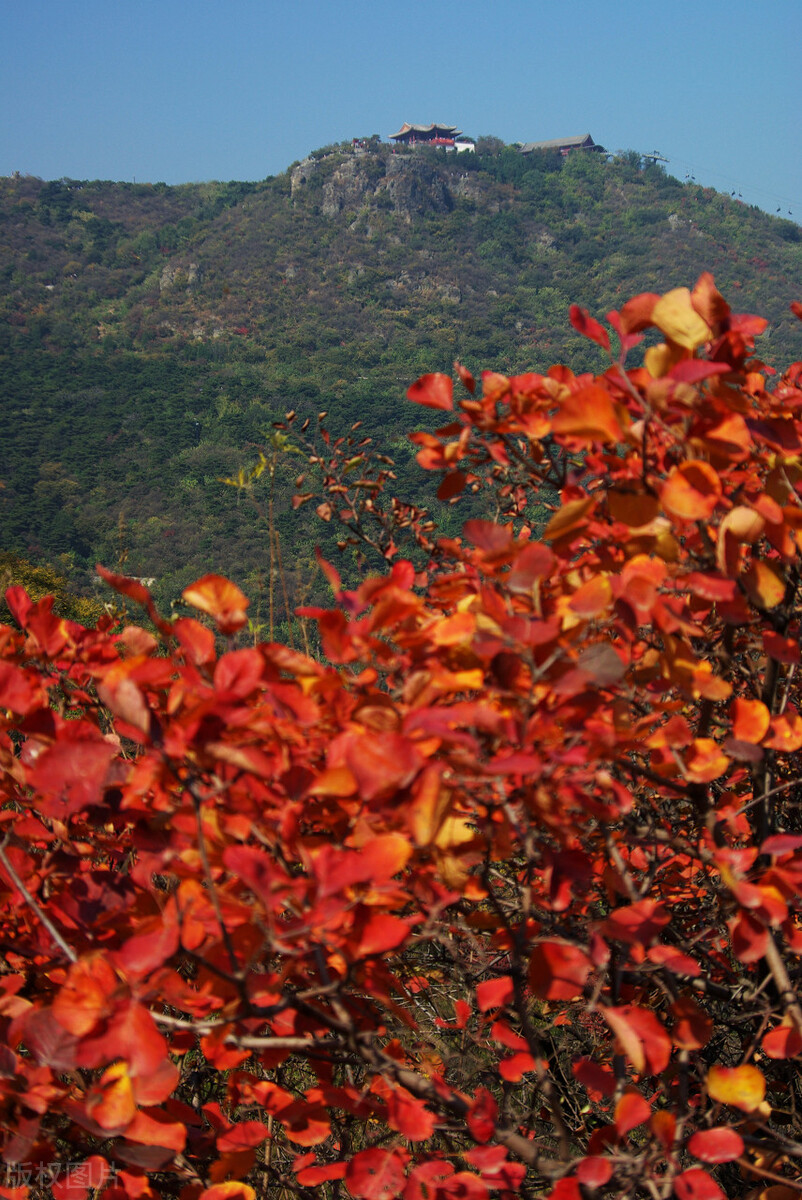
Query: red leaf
[[783, 1042], [376, 1174], [242, 1136], [516, 1066], [599, 1081], [467, 380], [693, 1028], [69, 775], [565, 1189], [132, 1034], [696, 1184], [409, 1116], [482, 1115], [640, 1036], [630, 1111], [464, 1186], [585, 324], [558, 971], [493, 993], [305, 1123], [693, 370], [452, 485], [146, 951], [637, 924], [716, 1145], [154, 1128], [380, 933], [594, 1171], [433, 391], [382, 763], [313, 1175]]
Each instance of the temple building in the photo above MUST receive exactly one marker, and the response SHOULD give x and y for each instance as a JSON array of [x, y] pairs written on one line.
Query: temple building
[[426, 135], [564, 145]]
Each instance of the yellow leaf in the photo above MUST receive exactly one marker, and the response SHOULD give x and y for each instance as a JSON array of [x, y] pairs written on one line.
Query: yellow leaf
[[741, 1087], [112, 1103], [765, 587], [675, 315]]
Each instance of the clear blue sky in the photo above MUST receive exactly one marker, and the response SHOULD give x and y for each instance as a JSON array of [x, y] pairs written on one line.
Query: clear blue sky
[[186, 90]]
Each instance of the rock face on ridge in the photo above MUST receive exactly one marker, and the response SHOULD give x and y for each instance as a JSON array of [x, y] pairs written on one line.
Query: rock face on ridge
[[415, 187], [404, 184]]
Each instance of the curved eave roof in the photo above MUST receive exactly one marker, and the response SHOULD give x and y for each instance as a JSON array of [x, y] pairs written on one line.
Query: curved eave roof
[[442, 130]]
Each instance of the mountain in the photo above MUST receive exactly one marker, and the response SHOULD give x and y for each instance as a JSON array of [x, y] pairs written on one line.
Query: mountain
[[151, 335]]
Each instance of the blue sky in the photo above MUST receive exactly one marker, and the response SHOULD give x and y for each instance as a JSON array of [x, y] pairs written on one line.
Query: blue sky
[[188, 90]]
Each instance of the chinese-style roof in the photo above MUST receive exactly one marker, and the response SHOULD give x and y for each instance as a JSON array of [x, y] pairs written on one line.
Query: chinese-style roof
[[449, 131], [583, 142]]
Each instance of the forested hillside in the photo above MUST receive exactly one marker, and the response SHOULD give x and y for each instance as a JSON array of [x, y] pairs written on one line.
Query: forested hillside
[[151, 335]]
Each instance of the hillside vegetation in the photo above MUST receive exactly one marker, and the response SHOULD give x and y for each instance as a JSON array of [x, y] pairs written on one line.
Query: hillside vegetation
[[151, 335]]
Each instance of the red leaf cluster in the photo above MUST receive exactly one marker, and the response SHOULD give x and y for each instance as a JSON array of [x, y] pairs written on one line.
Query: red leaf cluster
[[503, 893]]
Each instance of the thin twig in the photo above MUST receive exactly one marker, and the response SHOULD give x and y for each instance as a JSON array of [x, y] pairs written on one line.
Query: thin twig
[[35, 908]]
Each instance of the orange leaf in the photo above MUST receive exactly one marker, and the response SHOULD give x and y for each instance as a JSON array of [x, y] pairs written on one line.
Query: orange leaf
[[85, 997], [232, 1190], [572, 517], [433, 391], [750, 720], [705, 761], [593, 598], [663, 1125], [691, 491], [741, 1087], [157, 1129], [588, 415], [221, 599], [786, 731]]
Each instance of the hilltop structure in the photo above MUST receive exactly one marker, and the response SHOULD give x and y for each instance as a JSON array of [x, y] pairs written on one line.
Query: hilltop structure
[[564, 145], [429, 135]]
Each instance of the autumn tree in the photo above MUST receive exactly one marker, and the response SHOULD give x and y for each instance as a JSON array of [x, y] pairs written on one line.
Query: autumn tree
[[499, 895]]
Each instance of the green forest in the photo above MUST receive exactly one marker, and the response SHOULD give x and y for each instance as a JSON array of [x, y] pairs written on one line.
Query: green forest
[[151, 336]]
